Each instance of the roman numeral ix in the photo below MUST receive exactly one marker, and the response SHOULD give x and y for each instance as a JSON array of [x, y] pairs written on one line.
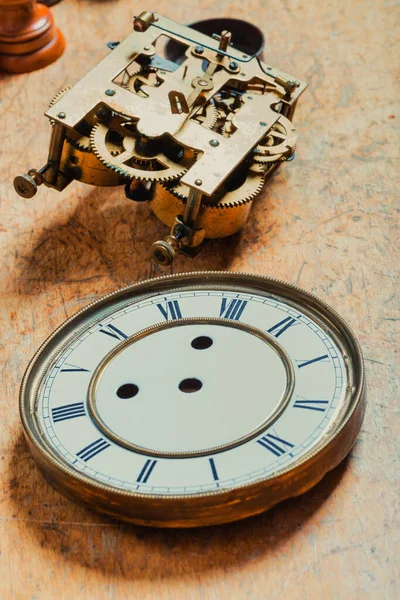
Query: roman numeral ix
[[170, 310], [232, 309], [275, 444], [68, 411]]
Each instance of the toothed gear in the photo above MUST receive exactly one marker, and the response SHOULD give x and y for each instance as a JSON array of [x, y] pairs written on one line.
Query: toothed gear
[[121, 135], [228, 128], [56, 99], [58, 96], [80, 142], [225, 216], [207, 116], [279, 144], [77, 139], [223, 198], [142, 76]]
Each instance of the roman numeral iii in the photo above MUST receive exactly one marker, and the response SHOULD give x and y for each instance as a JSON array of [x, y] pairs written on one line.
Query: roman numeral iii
[[93, 449], [170, 310], [68, 411], [232, 309]]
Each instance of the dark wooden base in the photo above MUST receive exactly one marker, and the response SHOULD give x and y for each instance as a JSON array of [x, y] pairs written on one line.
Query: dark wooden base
[[49, 2], [29, 40]]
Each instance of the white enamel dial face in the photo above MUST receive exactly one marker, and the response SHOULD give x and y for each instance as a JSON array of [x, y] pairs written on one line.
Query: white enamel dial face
[[224, 388]]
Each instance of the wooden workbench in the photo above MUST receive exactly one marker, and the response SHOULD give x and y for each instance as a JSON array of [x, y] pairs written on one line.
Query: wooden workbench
[[327, 222]]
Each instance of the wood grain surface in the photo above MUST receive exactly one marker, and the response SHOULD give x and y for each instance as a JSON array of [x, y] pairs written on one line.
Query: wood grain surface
[[327, 221]]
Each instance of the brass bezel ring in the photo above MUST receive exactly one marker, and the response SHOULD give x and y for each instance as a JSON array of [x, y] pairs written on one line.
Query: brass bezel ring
[[211, 507]]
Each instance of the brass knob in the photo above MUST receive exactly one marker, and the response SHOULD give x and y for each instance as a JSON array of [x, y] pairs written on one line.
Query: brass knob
[[163, 252], [25, 185]]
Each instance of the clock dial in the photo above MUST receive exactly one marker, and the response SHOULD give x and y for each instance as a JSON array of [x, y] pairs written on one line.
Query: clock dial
[[193, 386]]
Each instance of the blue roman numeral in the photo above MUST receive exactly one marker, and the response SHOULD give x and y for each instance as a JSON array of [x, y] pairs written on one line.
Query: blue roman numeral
[[213, 469], [275, 444], [68, 411], [146, 471], [170, 310], [114, 332], [73, 369], [93, 449], [313, 360], [319, 405], [232, 309], [282, 326]]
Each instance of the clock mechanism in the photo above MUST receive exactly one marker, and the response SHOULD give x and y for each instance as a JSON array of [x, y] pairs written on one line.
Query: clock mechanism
[[195, 132]]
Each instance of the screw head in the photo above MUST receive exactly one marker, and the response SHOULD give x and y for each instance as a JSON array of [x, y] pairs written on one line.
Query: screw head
[[112, 45], [198, 182], [146, 48], [249, 97], [61, 115], [110, 92], [263, 124], [233, 65], [103, 114], [199, 49], [214, 143], [203, 82]]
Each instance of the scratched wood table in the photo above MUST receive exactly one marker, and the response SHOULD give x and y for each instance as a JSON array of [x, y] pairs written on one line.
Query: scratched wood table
[[326, 222]]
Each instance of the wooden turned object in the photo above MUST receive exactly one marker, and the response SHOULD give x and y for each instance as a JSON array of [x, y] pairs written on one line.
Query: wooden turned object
[[29, 39]]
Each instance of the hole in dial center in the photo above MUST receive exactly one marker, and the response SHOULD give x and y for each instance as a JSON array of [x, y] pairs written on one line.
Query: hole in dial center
[[190, 385]]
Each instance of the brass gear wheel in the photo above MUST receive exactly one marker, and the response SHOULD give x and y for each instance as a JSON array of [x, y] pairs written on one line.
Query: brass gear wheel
[[76, 137], [142, 76], [56, 98], [207, 116], [224, 213], [116, 145], [278, 145]]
